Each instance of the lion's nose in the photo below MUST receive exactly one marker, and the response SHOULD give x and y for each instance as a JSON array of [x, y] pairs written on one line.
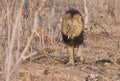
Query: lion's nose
[[72, 34]]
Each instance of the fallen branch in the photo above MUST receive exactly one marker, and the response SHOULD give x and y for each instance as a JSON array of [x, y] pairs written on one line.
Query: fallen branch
[[29, 55]]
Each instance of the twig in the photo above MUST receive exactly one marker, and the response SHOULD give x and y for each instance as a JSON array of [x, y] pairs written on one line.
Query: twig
[[30, 55], [0, 72], [111, 37], [108, 33], [113, 61], [11, 45], [86, 14]]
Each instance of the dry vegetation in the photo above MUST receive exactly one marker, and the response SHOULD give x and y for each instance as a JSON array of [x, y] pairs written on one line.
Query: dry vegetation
[[31, 48]]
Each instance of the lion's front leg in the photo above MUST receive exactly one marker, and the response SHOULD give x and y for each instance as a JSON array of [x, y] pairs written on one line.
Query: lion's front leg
[[79, 53], [70, 55]]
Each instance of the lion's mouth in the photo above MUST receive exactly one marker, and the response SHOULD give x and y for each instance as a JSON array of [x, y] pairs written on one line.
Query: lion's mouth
[[71, 36]]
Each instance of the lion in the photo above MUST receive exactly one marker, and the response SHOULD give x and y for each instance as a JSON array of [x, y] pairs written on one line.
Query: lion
[[72, 33]]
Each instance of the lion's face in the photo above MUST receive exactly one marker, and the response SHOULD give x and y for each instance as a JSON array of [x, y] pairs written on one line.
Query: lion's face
[[72, 26]]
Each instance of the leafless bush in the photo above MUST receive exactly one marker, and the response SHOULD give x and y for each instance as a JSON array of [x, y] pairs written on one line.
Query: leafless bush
[[13, 22]]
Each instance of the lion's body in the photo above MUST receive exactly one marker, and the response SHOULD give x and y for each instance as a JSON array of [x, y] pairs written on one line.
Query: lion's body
[[72, 31]]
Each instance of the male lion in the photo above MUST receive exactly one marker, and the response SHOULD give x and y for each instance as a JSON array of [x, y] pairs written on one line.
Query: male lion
[[72, 32]]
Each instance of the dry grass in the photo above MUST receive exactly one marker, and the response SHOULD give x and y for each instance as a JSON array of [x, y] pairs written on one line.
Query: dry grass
[[31, 48]]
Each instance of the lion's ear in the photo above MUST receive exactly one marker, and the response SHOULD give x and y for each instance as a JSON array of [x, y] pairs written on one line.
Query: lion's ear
[[67, 16], [77, 16]]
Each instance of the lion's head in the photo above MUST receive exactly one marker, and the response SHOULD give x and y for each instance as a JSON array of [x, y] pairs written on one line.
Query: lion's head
[[72, 25]]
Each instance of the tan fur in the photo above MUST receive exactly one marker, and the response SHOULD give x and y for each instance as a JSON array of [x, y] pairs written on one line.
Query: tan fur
[[72, 27]]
